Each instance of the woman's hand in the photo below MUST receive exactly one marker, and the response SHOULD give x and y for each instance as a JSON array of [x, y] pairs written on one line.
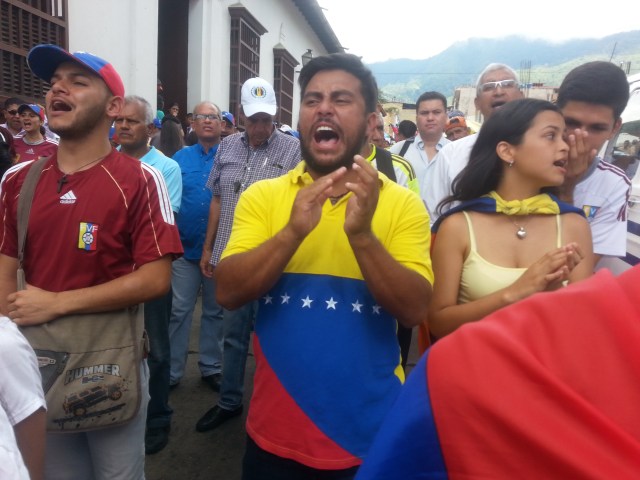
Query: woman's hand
[[547, 273]]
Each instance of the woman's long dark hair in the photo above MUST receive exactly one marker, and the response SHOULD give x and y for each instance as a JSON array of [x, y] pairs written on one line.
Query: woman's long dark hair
[[482, 173], [171, 137]]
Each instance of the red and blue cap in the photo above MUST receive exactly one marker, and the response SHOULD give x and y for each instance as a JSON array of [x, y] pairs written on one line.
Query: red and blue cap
[[43, 61], [228, 117], [37, 109]]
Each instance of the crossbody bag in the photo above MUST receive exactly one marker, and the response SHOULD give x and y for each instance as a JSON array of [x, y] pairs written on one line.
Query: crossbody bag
[[90, 363]]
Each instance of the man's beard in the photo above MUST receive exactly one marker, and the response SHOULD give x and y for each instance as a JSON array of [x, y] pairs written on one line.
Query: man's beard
[[346, 161], [84, 123]]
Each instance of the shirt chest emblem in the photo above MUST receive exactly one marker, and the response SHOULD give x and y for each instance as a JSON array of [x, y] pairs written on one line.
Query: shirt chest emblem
[[590, 211], [68, 198], [88, 236]]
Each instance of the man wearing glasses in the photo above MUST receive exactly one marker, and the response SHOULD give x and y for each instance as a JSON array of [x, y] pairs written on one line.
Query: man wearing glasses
[[12, 116], [195, 164], [259, 153], [496, 85]]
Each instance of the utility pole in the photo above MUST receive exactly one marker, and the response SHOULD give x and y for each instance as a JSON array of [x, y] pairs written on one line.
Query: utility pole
[[525, 76]]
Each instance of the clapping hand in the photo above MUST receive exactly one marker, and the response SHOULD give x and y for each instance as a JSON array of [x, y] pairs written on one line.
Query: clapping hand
[[549, 272], [365, 186]]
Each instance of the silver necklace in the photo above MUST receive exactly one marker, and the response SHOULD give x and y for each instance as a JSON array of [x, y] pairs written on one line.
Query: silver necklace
[[522, 232]]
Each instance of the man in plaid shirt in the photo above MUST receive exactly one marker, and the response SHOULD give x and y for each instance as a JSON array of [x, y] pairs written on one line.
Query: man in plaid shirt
[[261, 152]]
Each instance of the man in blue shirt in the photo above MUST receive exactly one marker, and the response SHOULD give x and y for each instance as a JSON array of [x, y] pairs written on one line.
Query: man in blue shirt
[[133, 127], [195, 163]]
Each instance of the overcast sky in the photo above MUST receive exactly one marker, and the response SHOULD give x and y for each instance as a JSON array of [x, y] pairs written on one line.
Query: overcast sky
[[379, 30]]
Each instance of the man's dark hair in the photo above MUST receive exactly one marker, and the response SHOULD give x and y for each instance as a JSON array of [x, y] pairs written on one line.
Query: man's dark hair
[[599, 83], [407, 128], [349, 63], [13, 101], [431, 96]]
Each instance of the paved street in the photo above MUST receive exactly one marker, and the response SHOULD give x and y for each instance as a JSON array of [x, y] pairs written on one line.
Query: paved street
[[192, 455], [212, 455]]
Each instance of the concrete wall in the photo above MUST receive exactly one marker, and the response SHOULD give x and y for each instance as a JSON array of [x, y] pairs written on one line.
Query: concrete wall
[[209, 45], [123, 32]]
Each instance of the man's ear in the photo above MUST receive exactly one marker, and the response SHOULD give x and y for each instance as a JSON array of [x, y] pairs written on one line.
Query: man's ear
[[616, 128], [114, 106], [372, 122]]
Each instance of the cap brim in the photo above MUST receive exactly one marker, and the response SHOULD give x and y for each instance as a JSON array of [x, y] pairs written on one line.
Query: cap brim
[[43, 60], [26, 106], [251, 110]]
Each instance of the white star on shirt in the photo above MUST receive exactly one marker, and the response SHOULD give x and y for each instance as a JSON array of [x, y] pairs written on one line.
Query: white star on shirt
[[285, 298], [331, 303], [376, 309], [357, 307], [306, 302], [267, 299]]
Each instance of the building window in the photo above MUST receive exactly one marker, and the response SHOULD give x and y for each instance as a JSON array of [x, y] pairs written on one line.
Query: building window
[[24, 24], [245, 54], [284, 65]]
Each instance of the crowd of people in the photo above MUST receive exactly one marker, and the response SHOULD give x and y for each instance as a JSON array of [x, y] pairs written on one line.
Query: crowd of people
[[331, 249]]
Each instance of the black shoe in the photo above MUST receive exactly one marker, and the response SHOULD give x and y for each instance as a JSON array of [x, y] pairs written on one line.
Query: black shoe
[[213, 381], [155, 439], [216, 417]]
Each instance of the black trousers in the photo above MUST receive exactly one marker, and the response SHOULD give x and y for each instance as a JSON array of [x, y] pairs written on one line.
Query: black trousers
[[404, 339], [261, 465]]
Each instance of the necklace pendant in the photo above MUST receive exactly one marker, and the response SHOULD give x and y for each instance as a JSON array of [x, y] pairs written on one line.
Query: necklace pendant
[[521, 233]]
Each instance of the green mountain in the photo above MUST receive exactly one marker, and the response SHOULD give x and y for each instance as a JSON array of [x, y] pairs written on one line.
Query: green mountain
[[536, 61]]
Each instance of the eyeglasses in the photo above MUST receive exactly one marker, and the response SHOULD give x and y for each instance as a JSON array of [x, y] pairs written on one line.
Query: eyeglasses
[[12, 112], [490, 86], [208, 116]]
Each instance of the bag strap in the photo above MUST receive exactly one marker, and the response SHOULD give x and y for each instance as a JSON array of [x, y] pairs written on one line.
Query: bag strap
[[25, 199], [385, 163], [405, 146]]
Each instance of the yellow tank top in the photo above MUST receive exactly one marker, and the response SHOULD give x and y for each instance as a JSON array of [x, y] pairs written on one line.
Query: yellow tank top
[[480, 278]]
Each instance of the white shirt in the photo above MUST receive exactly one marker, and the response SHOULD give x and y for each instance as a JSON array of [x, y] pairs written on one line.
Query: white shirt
[[20, 395], [603, 195], [448, 163], [416, 155]]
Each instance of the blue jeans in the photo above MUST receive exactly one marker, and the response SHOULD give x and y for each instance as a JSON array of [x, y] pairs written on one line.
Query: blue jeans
[[156, 323], [237, 326], [186, 282]]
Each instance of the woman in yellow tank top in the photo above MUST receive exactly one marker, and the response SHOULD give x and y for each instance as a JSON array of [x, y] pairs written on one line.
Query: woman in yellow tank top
[[508, 239]]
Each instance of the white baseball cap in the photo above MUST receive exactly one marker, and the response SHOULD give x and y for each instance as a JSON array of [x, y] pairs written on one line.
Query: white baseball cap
[[258, 96]]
